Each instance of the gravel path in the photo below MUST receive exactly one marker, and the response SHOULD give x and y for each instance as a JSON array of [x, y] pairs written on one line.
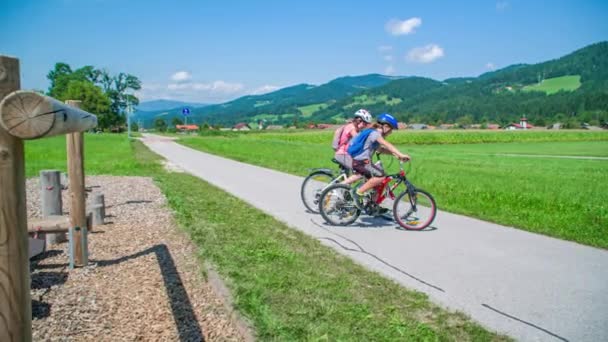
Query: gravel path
[[143, 282]]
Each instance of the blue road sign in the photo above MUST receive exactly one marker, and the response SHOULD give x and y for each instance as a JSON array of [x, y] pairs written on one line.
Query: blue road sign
[[186, 111]]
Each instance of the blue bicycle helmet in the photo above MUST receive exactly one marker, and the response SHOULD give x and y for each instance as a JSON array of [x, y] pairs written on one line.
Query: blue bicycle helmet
[[386, 118]]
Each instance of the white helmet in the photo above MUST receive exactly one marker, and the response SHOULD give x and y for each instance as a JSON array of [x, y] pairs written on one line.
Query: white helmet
[[364, 115]]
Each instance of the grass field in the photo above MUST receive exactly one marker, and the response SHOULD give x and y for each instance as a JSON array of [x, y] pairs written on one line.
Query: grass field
[[363, 100], [287, 284], [553, 85], [108, 154], [564, 198], [310, 109]]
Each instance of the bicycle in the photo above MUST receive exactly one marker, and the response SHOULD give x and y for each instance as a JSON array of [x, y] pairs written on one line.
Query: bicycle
[[317, 181], [413, 209]]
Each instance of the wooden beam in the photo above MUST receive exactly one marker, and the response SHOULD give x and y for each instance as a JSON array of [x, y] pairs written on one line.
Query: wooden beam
[[78, 215], [49, 224], [30, 115], [50, 199], [15, 300]]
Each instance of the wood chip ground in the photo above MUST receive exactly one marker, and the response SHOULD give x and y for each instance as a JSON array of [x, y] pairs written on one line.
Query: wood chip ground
[[144, 282]]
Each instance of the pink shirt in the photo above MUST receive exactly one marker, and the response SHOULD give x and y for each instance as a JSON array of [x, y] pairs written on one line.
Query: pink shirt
[[347, 134]]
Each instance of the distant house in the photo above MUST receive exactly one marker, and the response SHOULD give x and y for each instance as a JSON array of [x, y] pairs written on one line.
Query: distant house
[[274, 127], [320, 126], [418, 126], [493, 126], [186, 128], [557, 125], [402, 125], [585, 125], [241, 126], [446, 126], [523, 124]]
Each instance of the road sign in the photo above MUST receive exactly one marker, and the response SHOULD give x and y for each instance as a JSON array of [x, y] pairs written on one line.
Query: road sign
[[186, 111]]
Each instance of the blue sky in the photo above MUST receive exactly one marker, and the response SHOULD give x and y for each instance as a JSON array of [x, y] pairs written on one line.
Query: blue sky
[[213, 51]]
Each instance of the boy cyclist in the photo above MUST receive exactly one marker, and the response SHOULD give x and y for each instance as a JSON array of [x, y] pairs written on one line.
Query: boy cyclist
[[375, 142]]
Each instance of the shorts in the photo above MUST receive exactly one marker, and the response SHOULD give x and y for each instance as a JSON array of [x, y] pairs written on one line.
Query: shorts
[[345, 160], [367, 169]]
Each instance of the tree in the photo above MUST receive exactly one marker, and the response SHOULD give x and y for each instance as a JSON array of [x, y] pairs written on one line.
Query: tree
[[115, 89], [134, 127], [160, 125], [93, 101], [176, 121]]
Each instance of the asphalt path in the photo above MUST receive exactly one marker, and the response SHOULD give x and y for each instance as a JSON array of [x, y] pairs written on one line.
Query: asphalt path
[[528, 286]]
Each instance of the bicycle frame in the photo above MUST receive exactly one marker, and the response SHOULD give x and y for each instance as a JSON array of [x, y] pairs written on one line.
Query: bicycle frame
[[384, 190]]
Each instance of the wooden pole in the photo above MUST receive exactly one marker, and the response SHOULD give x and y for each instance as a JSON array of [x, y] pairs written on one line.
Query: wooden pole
[[30, 115], [78, 215], [50, 195], [97, 208], [75, 151], [15, 301]]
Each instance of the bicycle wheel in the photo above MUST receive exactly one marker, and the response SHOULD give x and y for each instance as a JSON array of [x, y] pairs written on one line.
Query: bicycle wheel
[[415, 213], [311, 189], [337, 207]]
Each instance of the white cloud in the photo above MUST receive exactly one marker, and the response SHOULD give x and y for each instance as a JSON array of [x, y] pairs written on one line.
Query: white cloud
[[385, 48], [425, 54], [490, 66], [389, 58], [212, 92], [181, 76], [400, 27], [502, 5], [390, 70], [264, 89]]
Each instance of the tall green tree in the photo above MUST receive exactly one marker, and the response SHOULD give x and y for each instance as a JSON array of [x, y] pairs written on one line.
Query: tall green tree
[[115, 89], [176, 121], [93, 101], [160, 124]]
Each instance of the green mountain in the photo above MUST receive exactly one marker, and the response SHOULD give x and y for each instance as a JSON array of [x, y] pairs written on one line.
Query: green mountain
[[282, 106], [573, 87], [156, 105]]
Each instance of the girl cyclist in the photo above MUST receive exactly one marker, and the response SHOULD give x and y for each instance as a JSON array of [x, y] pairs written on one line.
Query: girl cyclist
[[362, 120]]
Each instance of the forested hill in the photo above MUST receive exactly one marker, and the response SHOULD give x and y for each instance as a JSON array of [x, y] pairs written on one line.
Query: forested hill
[[573, 87], [285, 105]]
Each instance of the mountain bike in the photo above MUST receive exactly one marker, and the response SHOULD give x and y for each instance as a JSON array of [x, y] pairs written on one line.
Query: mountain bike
[[413, 209], [317, 181]]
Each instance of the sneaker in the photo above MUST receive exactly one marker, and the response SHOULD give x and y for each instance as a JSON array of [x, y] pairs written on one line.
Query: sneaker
[[358, 199], [383, 211]]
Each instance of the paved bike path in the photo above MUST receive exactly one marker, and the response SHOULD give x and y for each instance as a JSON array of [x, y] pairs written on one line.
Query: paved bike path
[[529, 286]]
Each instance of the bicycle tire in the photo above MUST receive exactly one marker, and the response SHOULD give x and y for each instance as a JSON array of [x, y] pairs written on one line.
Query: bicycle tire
[[310, 185], [428, 206], [345, 205]]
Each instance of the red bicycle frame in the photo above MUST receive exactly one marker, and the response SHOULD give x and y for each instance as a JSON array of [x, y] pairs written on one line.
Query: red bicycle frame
[[380, 188]]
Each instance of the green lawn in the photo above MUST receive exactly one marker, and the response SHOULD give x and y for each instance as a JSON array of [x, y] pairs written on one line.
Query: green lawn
[[108, 154], [555, 84], [287, 284], [564, 198], [310, 109], [364, 99]]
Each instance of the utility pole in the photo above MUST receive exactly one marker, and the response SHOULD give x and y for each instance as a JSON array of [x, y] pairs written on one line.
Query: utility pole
[[128, 110]]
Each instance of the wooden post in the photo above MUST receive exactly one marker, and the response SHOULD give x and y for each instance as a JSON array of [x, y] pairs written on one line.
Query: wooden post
[[97, 208], [50, 194], [15, 301], [78, 215], [30, 115]]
